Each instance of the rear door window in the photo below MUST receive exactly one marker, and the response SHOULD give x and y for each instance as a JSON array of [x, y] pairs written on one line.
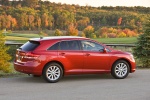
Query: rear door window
[[30, 46], [69, 45]]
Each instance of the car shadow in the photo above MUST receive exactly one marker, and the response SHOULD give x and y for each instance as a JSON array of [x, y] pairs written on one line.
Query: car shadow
[[87, 77], [70, 78]]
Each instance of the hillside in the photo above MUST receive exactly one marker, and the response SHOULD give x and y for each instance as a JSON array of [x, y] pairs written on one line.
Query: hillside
[[40, 15]]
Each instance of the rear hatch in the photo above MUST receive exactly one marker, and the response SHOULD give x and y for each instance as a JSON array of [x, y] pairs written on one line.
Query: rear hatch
[[25, 52]]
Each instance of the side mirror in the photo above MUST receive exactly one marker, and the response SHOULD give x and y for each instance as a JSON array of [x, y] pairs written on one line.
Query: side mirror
[[105, 50]]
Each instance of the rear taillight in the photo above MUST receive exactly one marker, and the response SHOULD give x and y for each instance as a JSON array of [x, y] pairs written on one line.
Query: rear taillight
[[31, 56]]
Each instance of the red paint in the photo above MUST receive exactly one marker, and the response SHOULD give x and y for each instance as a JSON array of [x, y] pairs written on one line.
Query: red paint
[[72, 61]]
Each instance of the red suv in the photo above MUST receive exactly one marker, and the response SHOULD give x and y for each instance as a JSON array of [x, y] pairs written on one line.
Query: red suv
[[54, 57]]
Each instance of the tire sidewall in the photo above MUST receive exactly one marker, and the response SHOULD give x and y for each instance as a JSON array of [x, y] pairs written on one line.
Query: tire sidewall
[[114, 67], [45, 72]]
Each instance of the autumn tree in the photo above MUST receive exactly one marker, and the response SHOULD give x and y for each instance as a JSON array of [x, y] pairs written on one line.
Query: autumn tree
[[30, 3], [4, 57], [142, 49], [119, 21], [88, 31], [72, 31], [58, 33], [44, 20], [31, 21], [83, 22]]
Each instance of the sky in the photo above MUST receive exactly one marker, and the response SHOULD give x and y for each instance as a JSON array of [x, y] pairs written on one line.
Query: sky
[[98, 3]]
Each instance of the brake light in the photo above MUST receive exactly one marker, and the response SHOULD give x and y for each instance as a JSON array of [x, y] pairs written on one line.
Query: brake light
[[31, 56]]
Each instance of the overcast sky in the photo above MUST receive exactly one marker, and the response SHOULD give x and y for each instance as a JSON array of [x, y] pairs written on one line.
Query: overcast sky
[[97, 3]]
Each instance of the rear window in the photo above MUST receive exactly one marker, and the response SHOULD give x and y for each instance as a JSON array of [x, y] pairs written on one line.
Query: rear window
[[30, 46]]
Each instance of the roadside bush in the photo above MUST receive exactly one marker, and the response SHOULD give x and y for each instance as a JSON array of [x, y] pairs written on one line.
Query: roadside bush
[[58, 33], [112, 35], [142, 49], [88, 31], [82, 35], [4, 56], [12, 51], [121, 35], [72, 31], [93, 36]]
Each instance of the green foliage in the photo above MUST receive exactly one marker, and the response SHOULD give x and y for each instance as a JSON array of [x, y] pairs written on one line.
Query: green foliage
[[4, 57], [126, 40], [142, 50], [58, 33], [88, 31], [12, 51], [42, 33], [82, 35], [93, 36], [43, 14]]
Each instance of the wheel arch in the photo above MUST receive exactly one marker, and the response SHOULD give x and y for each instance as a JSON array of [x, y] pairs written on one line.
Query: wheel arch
[[54, 61], [124, 60]]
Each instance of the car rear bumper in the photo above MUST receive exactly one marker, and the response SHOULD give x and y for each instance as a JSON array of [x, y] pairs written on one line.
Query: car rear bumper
[[28, 67]]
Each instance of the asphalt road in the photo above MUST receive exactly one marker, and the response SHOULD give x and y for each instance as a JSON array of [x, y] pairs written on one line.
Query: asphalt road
[[87, 87]]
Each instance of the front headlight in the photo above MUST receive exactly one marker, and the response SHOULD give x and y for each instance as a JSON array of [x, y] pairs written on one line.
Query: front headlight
[[132, 57]]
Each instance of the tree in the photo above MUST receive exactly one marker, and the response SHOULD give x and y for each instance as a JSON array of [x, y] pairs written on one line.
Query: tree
[[88, 31], [30, 3], [58, 32], [142, 49], [72, 31], [82, 23], [4, 57], [119, 21], [31, 20], [4, 2]]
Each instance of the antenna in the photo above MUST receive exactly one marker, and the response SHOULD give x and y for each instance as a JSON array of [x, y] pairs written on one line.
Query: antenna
[[40, 36]]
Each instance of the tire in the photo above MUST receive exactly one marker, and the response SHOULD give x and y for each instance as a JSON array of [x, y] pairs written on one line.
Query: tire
[[52, 72], [120, 69]]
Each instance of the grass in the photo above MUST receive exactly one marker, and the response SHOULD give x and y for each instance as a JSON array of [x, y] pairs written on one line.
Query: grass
[[20, 38], [23, 37], [127, 40], [14, 38], [12, 73]]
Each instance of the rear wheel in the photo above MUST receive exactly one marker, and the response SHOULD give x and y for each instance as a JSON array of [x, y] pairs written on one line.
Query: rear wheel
[[52, 72], [120, 69]]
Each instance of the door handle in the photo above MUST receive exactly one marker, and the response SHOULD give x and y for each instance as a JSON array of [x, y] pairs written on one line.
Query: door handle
[[62, 54], [87, 54]]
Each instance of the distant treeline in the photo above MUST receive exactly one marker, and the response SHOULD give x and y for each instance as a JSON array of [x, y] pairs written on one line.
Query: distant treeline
[[40, 15]]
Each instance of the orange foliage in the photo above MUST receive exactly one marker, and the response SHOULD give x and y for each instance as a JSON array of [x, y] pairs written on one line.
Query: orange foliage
[[72, 31], [105, 32], [119, 21]]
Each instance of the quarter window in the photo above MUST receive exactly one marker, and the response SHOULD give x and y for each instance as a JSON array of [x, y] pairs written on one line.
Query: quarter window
[[54, 47]]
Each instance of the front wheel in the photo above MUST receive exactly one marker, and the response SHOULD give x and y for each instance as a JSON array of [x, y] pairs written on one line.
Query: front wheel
[[53, 72], [120, 69]]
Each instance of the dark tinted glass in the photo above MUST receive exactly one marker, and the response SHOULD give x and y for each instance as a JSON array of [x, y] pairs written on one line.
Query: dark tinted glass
[[54, 47], [69, 45], [29, 46]]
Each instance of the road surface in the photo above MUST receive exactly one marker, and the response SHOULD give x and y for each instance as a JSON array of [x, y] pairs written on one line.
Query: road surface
[[84, 87]]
